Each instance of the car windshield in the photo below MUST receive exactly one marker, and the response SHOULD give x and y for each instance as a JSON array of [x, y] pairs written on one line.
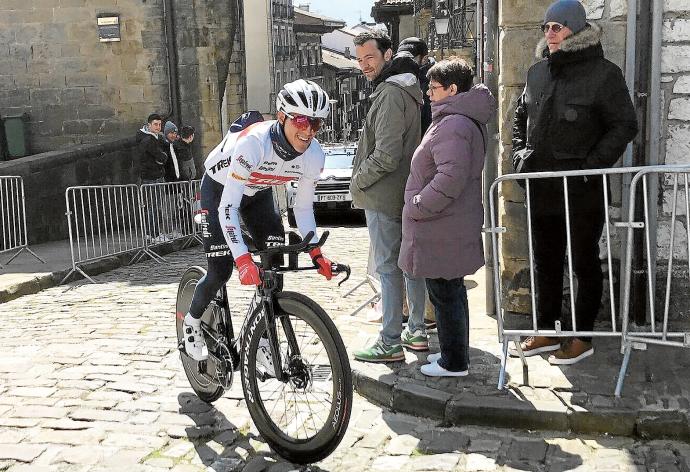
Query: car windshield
[[339, 161]]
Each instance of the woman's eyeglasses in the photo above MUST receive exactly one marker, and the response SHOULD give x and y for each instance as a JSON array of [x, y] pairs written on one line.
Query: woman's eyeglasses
[[434, 87], [304, 122], [555, 27]]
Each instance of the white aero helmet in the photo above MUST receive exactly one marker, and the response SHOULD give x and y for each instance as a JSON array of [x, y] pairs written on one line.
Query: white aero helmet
[[303, 97]]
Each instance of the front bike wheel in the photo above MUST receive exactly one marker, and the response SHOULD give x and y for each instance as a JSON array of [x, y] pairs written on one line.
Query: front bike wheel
[[305, 418], [205, 389]]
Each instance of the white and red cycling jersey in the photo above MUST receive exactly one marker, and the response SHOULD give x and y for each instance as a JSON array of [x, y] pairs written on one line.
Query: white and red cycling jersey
[[245, 163]]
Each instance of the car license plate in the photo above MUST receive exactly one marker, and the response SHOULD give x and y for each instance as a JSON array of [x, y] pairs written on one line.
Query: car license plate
[[332, 197]]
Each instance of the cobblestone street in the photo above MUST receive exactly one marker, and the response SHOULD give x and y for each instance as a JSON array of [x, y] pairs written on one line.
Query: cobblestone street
[[90, 380]]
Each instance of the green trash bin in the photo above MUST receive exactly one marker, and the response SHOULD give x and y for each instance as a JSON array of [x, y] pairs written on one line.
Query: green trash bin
[[16, 135]]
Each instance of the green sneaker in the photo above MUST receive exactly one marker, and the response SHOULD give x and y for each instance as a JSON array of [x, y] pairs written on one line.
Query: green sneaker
[[381, 352], [416, 341]]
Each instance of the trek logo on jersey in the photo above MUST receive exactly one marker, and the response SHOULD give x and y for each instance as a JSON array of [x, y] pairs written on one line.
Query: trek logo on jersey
[[266, 179], [222, 164]]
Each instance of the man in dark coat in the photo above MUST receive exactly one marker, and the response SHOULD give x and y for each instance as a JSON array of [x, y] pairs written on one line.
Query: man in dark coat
[[152, 160], [420, 53], [575, 113]]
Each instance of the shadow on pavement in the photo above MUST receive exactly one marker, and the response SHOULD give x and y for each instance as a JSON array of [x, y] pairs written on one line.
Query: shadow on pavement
[[224, 446], [480, 449]]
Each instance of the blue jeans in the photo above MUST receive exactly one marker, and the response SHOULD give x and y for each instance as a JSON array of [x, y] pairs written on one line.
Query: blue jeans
[[449, 298], [385, 234]]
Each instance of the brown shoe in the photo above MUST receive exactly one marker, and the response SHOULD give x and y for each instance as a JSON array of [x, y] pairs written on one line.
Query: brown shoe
[[536, 345], [572, 352]]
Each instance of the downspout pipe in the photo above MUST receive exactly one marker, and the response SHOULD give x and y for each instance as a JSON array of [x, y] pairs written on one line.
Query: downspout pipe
[[655, 120], [639, 275], [171, 53], [490, 77]]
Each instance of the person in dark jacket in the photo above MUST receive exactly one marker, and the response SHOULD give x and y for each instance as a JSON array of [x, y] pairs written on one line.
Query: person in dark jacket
[[443, 213], [151, 158], [420, 54], [170, 138], [575, 113], [183, 149], [152, 162]]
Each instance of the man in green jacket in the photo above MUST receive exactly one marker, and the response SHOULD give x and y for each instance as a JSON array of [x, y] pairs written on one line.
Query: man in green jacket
[[381, 167]]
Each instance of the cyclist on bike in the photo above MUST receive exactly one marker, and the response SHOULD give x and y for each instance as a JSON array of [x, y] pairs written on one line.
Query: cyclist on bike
[[239, 175]]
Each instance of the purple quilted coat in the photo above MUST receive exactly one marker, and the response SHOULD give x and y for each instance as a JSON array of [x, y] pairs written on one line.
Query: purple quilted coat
[[443, 212]]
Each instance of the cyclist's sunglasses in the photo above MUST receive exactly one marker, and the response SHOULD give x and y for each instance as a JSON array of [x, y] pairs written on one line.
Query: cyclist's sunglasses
[[555, 27], [304, 122]]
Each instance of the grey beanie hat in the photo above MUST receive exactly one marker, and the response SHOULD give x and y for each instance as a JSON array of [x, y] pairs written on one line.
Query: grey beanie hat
[[169, 127], [569, 13]]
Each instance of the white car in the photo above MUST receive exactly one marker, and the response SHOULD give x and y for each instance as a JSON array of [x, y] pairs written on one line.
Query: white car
[[333, 187]]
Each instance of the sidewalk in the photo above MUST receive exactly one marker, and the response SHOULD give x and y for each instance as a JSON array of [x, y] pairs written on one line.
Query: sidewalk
[[577, 398], [26, 275]]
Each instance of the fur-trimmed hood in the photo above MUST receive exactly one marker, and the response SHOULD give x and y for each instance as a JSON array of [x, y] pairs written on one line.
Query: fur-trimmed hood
[[588, 37]]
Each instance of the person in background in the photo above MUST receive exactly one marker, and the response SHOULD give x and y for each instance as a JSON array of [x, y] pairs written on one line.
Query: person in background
[[390, 135], [152, 161], [443, 212], [168, 145], [185, 154], [420, 53], [575, 113]]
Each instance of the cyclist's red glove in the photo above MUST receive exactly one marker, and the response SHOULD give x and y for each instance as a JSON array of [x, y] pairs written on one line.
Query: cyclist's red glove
[[249, 272], [322, 263]]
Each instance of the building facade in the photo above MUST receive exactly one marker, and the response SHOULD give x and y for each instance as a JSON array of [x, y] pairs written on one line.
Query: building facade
[[309, 27], [271, 60], [94, 71]]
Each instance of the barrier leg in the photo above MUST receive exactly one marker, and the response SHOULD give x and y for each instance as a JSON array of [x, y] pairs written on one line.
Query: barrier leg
[[356, 287], [77, 269], [20, 251], [624, 369], [375, 298], [504, 360]]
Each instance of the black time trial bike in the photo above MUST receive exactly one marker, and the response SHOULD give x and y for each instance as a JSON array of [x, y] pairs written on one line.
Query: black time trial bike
[[294, 368]]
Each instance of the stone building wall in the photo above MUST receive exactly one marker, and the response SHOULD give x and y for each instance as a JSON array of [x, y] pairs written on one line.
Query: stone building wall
[[675, 70], [78, 90]]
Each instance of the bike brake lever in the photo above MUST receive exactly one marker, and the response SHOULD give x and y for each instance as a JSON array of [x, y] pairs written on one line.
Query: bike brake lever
[[338, 268]]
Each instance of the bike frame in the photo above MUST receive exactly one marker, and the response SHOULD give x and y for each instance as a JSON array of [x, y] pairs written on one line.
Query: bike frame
[[266, 296]]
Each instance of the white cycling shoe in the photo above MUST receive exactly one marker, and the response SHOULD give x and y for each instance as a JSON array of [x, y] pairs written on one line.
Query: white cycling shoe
[[264, 358], [194, 342]]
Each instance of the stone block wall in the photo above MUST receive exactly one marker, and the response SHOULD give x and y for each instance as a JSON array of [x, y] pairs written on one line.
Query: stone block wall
[[675, 69], [78, 90], [47, 175]]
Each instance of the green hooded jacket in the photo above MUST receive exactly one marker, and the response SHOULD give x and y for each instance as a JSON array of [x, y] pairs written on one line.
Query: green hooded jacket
[[391, 134]]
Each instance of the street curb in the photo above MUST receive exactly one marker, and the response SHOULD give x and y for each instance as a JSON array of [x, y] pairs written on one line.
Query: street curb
[[37, 284], [505, 410]]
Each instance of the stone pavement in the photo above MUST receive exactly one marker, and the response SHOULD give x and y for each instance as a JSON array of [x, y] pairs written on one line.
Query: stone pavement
[[91, 380]]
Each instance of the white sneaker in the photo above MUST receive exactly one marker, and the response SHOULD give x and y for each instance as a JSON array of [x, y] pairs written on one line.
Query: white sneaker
[[433, 357], [194, 342], [264, 358], [435, 370]]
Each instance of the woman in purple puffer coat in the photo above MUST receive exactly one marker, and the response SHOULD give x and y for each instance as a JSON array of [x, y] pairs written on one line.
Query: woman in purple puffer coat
[[443, 212]]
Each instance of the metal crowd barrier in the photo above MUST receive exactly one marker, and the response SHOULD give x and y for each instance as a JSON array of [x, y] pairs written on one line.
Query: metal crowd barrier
[[507, 335], [168, 212], [637, 338], [103, 221], [13, 231]]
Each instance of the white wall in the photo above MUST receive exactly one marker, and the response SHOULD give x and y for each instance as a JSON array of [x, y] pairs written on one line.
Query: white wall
[[257, 40]]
